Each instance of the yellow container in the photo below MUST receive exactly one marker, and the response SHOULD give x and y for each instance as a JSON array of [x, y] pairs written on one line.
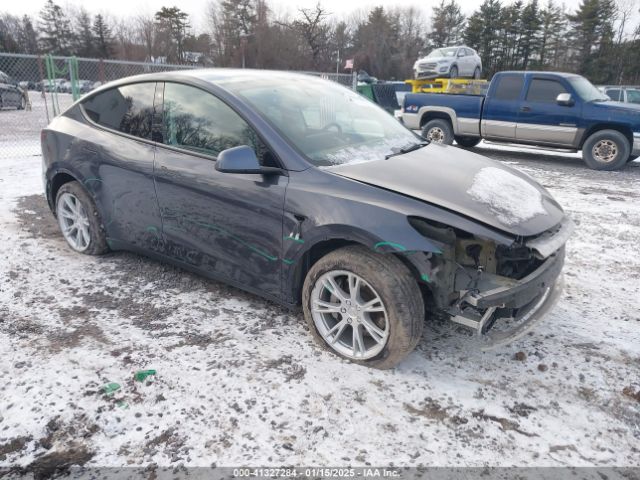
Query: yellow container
[[448, 85]]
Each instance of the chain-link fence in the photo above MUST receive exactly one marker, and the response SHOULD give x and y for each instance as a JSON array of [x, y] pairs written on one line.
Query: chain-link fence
[[35, 88]]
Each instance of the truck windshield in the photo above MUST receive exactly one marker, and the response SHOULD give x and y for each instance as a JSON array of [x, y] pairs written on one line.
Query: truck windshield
[[443, 52], [326, 122], [586, 91]]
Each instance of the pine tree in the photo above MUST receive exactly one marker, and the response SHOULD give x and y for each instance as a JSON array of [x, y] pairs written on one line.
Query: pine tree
[[57, 36], [447, 24], [85, 41], [102, 35], [530, 33], [482, 33], [592, 36], [28, 37], [172, 24]]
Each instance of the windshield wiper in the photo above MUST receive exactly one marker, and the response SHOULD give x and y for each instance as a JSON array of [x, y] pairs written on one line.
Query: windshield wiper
[[410, 148]]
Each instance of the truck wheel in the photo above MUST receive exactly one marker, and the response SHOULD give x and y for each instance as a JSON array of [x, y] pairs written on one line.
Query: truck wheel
[[606, 150], [364, 306], [438, 130], [453, 72], [79, 220], [467, 142]]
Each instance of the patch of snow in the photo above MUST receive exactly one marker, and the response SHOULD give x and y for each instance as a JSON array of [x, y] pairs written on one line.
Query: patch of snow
[[512, 199]]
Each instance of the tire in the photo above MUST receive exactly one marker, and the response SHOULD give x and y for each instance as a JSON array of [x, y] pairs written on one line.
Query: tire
[[388, 278], [22, 104], [90, 221], [477, 73], [606, 150], [632, 158], [467, 142], [453, 72], [438, 130]]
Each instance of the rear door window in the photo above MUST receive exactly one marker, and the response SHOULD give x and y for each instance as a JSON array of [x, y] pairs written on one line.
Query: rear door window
[[509, 87], [544, 91], [614, 94], [127, 109]]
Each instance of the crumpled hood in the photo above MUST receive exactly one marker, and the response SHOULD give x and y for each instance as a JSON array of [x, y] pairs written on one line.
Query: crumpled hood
[[464, 182]]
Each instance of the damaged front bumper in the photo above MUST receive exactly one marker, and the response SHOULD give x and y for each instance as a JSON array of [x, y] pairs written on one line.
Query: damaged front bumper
[[502, 310]]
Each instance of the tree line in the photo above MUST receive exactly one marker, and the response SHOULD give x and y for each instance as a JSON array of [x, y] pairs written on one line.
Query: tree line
[[596, 39]]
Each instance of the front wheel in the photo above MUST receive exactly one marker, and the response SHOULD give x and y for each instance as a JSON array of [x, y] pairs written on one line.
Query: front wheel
[[438, 130], [467, 142], [364, 306], [79, 220], [606, 150], [476, 73], [453, 72]]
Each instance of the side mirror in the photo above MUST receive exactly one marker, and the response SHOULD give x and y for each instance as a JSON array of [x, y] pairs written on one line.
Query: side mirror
[[242, 159], [565, 100]]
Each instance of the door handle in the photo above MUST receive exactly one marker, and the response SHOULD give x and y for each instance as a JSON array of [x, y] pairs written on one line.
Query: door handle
[[525, 109]]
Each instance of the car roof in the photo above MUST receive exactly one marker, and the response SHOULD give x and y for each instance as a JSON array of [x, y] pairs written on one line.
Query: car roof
[[213, 76], [540, 72]]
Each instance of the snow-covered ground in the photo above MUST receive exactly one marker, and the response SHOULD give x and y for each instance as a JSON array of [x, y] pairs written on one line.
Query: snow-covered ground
[[20, 129], [239, 380]]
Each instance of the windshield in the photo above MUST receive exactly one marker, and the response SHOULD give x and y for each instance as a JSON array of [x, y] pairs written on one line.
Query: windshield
[[328, 123], [443, 52], [585, 90]]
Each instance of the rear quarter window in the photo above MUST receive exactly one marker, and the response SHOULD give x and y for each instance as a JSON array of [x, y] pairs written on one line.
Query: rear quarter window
[[509, 87], [127, 109]]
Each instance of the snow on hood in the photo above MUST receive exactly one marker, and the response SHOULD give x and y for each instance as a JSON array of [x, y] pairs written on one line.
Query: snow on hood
[[512, 199]]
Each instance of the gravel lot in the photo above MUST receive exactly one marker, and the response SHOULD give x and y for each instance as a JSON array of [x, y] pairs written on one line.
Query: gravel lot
[[240, 382]]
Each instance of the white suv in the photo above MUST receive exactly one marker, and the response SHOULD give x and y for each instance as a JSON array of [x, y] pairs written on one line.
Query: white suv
[[450, 62]]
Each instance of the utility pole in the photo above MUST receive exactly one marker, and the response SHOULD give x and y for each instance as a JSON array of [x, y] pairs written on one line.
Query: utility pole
[[338, 61]]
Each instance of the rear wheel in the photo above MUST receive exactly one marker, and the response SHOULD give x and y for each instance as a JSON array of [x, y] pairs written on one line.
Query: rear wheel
[[606, 150], [453, 72], [438, 130], [79, 220], [467, 142], [364, 306]]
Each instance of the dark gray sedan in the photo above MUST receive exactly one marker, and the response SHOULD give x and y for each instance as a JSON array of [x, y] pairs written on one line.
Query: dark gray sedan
[[299, 190]]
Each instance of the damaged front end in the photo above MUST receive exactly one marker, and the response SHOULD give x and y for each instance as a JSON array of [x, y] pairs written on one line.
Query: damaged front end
[[499, 290]]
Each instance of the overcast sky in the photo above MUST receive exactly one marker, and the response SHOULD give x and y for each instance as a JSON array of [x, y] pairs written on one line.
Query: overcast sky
[[196, 8]]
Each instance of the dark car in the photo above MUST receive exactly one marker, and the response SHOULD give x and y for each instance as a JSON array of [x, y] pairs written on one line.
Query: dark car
[[11, 95], [304, 192]]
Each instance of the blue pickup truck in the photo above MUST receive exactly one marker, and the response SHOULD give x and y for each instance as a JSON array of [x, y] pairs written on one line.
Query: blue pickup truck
[[543, 109]]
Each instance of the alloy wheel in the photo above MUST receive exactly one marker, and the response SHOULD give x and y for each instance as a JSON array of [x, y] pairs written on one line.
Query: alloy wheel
[[349, 315], [73, 221]]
